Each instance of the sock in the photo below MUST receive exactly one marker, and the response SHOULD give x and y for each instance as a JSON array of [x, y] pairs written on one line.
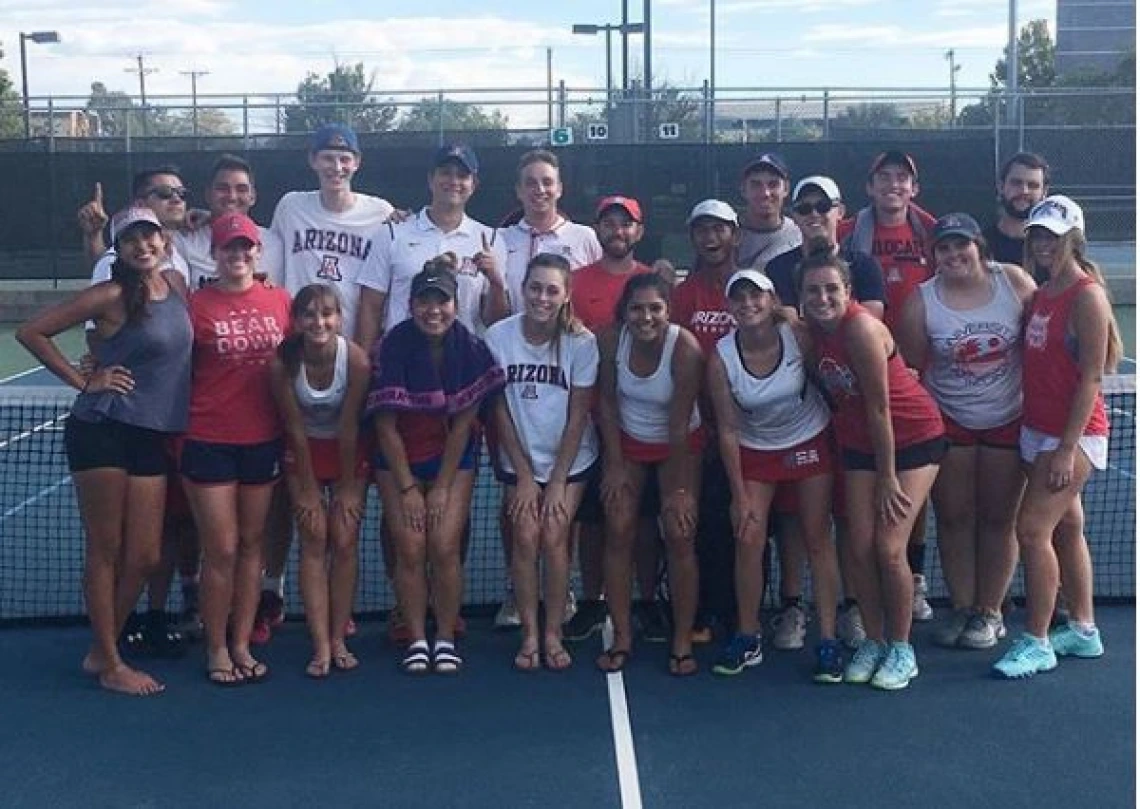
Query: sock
[[916, 558], [1085, 630], [274, 584]]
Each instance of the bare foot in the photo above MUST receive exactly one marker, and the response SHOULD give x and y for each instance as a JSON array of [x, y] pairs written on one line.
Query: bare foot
[[93, 663], [123, 679], [343, 659]]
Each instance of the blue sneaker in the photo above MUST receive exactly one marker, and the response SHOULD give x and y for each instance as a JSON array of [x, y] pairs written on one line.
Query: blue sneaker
[[864, 662], [898, 669], [1026, 657], [828, 662], [742, 652], [1068, 641]]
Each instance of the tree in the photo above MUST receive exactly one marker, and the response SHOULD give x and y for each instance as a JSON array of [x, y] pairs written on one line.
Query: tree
[[11, 107], [870, 115], [1035, 70], [115, 111], [457, 116], [344, 96], [212, 122]]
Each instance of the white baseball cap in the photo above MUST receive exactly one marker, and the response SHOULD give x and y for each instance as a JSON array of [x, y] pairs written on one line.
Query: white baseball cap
[[132, 217], [716, 209], [1057, 214], [762, 282], [824, 184]]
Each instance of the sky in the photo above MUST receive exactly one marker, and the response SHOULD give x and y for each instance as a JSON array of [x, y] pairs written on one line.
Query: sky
[[268, 46]]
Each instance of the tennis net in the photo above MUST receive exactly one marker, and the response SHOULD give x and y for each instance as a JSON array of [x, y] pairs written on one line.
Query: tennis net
[[41, 536]]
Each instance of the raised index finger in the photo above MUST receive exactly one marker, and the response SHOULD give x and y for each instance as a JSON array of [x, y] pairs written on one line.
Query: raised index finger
[[98, 193]]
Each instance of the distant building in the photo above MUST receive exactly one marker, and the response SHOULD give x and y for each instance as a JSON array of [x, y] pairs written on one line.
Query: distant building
[[1093, 36]]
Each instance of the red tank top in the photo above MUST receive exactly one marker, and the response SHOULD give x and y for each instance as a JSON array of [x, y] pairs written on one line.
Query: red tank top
[[1050, 371], [914, 416]]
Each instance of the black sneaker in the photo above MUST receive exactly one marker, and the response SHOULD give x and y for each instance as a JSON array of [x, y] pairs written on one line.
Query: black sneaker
[[587, 621], [652, 620], [160, 638], [131, 638]]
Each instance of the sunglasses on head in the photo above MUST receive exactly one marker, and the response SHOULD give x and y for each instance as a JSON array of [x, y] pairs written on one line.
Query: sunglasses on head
[[820, 207], [167, 192]]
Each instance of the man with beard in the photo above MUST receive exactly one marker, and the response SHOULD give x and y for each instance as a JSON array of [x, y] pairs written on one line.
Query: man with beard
[[594, 294], [764, 230], [1022, 183], [699, 305]]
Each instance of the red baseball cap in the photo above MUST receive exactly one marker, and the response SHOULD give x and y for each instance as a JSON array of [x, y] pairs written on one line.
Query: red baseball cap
[[232, 226], [894, 157], [627, 204]]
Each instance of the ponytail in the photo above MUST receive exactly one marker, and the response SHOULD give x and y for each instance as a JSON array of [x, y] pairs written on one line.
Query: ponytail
[[1115, 349], [136, 295]]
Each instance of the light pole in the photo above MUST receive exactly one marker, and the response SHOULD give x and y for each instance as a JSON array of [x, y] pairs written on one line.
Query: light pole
[[624, 29], [40, 38], [954, 68]]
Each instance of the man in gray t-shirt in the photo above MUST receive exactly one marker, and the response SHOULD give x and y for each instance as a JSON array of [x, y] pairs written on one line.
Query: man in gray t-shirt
[[764, 230]]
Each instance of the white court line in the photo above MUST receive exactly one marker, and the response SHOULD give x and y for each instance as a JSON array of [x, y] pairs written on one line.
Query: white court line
[[20, 375], [39, 428], [1122, 472], [47, 491], [623, 732]]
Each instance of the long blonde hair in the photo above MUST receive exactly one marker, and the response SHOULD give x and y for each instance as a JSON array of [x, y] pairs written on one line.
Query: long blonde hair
[[568, 322], [1072, 247]]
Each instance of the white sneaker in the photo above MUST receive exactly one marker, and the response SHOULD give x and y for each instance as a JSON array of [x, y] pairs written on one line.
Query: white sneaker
[[571, 607], [508, 615], [920, 608], [849, 627], [790, 626]]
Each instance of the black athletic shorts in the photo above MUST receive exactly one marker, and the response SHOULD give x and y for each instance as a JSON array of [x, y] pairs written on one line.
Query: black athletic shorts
[[206, 463], [114, 445], [915, 456]]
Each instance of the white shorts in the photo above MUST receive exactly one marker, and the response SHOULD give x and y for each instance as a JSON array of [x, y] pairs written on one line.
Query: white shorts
[[1034, 442]]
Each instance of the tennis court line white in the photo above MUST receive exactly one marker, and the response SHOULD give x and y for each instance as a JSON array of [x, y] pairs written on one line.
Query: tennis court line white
[[1123, 472], [39, 428], [47, 491], [20, 375], [624, 752]]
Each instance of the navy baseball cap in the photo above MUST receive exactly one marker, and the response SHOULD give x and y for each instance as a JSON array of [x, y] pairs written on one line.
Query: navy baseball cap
[[956, 224], [459, 153], [337, 137], [894, 157], [435, 278], [768, 160]]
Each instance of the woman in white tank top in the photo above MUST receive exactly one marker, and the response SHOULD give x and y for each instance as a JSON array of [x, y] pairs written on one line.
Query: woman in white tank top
[[963, 331], [320, 380], [649, 376], [547, 446], [773, 429]]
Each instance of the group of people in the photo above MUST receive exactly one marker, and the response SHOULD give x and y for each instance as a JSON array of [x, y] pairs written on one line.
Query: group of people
[[812, 372]]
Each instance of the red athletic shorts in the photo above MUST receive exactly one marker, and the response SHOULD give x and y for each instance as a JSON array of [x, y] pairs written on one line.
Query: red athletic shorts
[[643, 452], [807, 460], [325, 456], [1006, 436], [787, 499]]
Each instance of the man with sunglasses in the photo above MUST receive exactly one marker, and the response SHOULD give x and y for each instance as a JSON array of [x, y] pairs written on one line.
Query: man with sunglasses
[[764, 230], [817, 209]]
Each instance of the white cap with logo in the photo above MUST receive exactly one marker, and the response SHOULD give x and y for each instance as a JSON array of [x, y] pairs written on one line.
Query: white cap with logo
[[1057, 214], [762, 282], [714, 209], [824, 184]]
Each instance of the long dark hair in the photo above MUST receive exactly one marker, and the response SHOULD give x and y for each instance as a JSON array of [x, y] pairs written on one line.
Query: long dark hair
[[289, 350], [636, 283], [821, 253], [568, 322]]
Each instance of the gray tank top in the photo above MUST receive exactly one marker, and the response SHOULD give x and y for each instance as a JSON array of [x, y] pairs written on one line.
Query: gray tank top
[[974, 368], [156, 349]]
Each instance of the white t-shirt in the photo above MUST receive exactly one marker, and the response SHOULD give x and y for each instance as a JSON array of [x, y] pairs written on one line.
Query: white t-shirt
[[309, 244], [538, 392], [578, 244], [402, 250], [194, 246], [758, 247]]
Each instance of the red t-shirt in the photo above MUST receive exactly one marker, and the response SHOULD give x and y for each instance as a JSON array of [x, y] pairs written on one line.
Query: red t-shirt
[[1050, 372], [595, 291], [235, 337], [700, 306], [914, 416], [902, 254]]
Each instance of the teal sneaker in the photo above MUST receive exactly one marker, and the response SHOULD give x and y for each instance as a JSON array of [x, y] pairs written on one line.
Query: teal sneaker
[[742, 652], [828, 662], [1026, 657], [1068, 641], [898, 669], [864, 662]]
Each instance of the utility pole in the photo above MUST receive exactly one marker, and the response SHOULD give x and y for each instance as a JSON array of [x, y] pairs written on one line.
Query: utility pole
[[1012, 66], [954, 68], [194, 74], [624, 47], [143, 72]]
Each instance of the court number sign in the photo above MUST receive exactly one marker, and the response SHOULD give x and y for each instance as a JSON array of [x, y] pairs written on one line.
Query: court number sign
[[669, 131], [597, 132], [561, 136]]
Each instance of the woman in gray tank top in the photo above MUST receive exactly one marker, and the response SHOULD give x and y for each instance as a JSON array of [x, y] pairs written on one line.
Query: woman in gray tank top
[[134, 399], [962, 330]]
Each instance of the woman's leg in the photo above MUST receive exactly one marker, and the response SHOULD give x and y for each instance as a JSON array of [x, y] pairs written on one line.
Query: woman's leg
[[344, 534], [890, 551], [314, 577], [1000, 481], [861, 564], [815, 518], [443, 549], [680, 488], [1075, 563], [750, 559], [411, 558], [216, 515], [621, 532], [956, 510], [524, 576], [555, 541], [252, 511]]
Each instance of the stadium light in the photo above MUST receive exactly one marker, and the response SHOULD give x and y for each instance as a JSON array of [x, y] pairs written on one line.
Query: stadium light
[[588, 29], [40, 38]]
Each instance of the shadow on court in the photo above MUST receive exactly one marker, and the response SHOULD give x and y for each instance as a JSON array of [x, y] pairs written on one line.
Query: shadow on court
[[495, 738]]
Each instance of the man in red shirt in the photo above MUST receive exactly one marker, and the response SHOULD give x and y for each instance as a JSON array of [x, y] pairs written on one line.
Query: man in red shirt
[[897, 232], [699, 305]]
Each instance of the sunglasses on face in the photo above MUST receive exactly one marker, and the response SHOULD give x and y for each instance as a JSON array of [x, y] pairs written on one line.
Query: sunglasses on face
[[807, 208], [168, 192]]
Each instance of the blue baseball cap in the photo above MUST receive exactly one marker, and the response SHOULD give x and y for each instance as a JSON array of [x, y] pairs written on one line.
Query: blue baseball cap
[[770, 161], [335, 136], [459, 153]]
